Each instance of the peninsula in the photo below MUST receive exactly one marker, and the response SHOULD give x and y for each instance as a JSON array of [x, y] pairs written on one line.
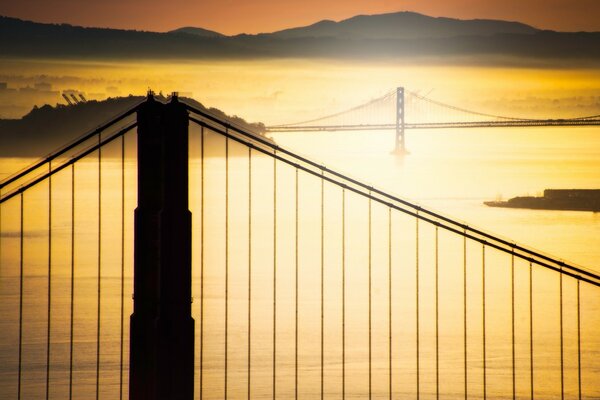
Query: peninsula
[[555, 199]]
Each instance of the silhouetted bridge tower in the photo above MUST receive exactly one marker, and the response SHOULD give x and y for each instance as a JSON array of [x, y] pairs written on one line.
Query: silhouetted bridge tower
[[302, 281], [400, 110]]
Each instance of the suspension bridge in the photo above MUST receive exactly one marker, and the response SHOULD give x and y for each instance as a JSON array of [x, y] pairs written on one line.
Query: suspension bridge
[[252, 272], [400, 109]]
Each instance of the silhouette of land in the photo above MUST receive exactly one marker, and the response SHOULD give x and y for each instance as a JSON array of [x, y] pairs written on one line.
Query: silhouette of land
[[404, 35], [46, 128], [555, 199]]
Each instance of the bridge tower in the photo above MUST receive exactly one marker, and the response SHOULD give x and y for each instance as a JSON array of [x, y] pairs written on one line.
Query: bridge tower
[[162, 328], [400, 147]]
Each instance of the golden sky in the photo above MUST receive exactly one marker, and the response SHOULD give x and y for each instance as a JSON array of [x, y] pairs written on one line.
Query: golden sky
[[253, 16]]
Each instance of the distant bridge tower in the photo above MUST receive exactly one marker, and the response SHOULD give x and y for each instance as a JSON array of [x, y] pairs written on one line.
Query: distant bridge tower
[[400, 147]]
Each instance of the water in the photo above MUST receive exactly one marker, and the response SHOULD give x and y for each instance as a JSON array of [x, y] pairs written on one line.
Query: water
[[450, 171]]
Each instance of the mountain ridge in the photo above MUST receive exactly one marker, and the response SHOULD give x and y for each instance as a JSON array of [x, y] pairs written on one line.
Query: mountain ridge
[[403, 25], [383, 36]]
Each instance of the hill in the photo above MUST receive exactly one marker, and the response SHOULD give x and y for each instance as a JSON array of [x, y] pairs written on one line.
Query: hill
[[201, 32], [46, 128], [404, 25]]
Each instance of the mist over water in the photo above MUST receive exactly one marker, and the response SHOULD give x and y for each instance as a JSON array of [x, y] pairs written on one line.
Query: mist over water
[[451, 171]]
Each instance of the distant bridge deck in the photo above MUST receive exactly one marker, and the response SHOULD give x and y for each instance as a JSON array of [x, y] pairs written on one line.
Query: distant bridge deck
[[438, 125]]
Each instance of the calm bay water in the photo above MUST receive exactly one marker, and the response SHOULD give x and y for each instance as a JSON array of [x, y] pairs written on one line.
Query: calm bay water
[[450, 171]]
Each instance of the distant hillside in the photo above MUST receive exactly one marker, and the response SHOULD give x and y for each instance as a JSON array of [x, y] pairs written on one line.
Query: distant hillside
[[408, 36], [46, 128], [404, 25], [198, 32]]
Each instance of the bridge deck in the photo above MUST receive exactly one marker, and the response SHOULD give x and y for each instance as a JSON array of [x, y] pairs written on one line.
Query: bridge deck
[[439, 125]]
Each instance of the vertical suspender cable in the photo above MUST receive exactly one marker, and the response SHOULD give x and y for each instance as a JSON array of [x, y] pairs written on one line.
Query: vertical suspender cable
[[122, 267], [99, 267], [343, 293], [483, 320], [370, 297], [274, 275], [49, 311], [201, 262], [512, 316], [20, 301], [562, 367], [72, 310], [417, 302], [578, 340], [249, 270], [390, 302], [296, 293], [322, 286], [226, 259], [0, 232], [465, 314], [531, 328], [437, 318]]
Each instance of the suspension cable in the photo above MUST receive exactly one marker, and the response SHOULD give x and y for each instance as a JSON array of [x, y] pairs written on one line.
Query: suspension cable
[[21, 265], [417, 304], [512, 323], [483, 320], [249, 271], [68, 147], [202, 255], [274, 276], [444, 222], [99, 283], [496, 242], [296, 293], [355, 108], [322, 288], [578, 341], [562, 362], [0, 234], [343, 293], [390, 302], [451, 107], [72, 304], [71, 161], [465, 315], [437, 317], [531, 328], [49, 311], [226, 263], [370, 297], [122, 322]]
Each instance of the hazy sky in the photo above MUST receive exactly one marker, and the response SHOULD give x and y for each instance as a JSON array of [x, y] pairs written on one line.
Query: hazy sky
[[252, 16]]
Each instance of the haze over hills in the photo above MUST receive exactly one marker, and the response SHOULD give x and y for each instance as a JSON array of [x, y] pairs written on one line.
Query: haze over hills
[[405, 35]]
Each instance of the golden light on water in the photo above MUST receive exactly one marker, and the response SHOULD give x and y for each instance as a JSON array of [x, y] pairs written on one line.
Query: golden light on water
[[452, 171]]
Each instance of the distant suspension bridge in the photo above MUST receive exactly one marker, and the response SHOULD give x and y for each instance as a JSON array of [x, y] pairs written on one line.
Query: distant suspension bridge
[[406, 105]]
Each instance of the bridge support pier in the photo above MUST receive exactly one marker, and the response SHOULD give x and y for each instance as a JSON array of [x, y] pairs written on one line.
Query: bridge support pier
[[400, 146], [162, 328]]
